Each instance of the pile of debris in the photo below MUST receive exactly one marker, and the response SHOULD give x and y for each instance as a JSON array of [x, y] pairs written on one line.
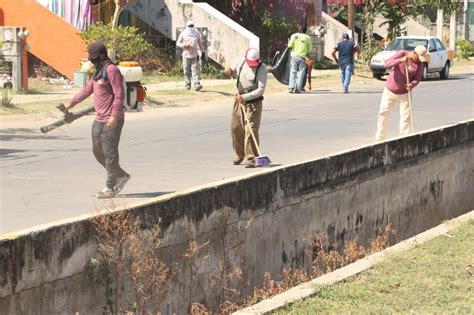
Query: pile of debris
[[59, 81]]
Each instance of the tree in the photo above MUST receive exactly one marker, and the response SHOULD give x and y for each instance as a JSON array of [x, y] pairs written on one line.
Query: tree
[[395, 12], [445, 6], [120, 5], [126, 41]]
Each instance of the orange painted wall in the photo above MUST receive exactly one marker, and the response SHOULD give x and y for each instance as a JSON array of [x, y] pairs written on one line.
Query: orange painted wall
[[51, 39]]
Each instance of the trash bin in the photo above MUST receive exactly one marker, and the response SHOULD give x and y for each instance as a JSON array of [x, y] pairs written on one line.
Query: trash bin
[[81, 78]]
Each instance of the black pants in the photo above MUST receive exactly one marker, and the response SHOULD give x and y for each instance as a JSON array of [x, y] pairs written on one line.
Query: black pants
[[105, 142]]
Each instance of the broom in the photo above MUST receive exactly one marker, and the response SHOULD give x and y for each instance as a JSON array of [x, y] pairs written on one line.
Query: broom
[[409, 99], [260, 160]]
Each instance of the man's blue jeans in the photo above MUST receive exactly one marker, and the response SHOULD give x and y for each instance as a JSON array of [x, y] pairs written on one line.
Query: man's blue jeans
[[298, 65], [346, 73]]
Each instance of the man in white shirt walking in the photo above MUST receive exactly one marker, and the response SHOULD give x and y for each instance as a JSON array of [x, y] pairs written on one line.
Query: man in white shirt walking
[[190, 41]]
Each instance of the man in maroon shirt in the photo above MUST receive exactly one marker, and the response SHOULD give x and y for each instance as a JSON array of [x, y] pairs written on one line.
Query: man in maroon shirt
[[107, 87], [397, 89]]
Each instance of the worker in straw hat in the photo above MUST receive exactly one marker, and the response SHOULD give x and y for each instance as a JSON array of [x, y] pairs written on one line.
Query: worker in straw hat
[[191, 43], [251, 77], [398, 87]]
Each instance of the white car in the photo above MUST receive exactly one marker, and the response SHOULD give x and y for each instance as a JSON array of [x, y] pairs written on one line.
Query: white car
[[440, 59]]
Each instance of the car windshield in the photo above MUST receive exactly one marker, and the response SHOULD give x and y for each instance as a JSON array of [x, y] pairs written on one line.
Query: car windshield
[[406, 44]]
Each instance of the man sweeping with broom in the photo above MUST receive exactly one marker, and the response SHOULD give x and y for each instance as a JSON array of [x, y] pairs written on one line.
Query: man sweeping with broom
[[407, 68], [251, 76]]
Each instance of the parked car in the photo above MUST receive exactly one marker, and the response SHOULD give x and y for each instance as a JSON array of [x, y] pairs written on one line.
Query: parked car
[[440, 59]]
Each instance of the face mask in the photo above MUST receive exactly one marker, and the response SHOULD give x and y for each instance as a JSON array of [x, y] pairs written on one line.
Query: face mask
[[96, 63]]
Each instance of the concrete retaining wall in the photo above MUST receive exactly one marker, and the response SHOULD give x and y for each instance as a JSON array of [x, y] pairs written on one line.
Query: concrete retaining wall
[[257, 223]]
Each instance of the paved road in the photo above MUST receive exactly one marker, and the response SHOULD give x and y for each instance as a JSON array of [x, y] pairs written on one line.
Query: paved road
[[51, 177]]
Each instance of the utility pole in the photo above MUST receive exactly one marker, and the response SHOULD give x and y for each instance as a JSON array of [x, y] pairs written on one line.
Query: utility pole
[[350, 19]]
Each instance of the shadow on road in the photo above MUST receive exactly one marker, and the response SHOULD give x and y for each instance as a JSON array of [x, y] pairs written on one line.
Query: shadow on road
[[15, 134], [218, 92], [13, 154], [327, 92]]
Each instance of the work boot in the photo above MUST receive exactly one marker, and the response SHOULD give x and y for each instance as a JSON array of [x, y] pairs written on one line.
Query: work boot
[[197, 87], [105, 193], [121, 182]]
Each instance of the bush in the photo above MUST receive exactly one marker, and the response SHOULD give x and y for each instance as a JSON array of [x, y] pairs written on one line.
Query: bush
[[7, 96], [324, 64], [210, 70], [126, 40], [368, 51], [155, 60], [464, 49]]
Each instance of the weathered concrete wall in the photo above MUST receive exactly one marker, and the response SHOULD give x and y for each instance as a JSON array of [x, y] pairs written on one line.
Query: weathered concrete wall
[[258, 223]]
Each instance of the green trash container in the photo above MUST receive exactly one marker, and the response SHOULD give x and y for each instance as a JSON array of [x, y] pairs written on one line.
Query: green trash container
[[80, 78]]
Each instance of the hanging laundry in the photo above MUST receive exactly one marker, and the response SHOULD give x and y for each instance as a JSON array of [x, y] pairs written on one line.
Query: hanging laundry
[[78, 13]]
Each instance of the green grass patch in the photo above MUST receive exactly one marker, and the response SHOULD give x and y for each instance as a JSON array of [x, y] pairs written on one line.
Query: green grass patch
[[434, 278]]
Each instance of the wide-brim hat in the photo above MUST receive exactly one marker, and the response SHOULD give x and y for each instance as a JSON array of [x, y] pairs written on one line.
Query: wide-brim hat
[[421, 52]]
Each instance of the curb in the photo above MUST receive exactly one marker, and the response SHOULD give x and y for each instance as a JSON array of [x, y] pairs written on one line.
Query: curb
[[307, 289]]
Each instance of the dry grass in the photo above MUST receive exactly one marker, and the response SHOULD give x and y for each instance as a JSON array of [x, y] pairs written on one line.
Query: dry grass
[[128, 253], [324, 259], [433, 278]]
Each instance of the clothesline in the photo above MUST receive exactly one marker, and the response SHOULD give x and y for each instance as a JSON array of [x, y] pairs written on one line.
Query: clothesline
[[76, 12]]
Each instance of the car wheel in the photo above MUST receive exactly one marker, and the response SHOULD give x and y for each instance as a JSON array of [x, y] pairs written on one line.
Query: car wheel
[[377, 76], [444, 74], [424, 75]]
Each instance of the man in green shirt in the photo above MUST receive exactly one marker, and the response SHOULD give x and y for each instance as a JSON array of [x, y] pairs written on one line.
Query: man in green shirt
[[300, 45]]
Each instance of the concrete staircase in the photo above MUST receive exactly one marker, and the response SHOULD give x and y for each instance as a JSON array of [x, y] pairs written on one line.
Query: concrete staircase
[[413, 27], [226, 40], [51, 39]]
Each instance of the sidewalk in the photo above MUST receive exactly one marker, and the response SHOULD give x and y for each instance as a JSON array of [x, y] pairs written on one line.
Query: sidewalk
[[68, 93]]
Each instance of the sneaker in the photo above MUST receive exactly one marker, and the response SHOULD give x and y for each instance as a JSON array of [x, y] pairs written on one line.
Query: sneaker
[[105, 193], [292, 91], [237, 161], [298, 92], [121, 182], [346, 91], [250, 163], [188, 87], [197, 87]]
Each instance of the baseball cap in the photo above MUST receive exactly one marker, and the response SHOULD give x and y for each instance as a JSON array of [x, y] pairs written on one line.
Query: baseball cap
[[190, 23], [252, 57], [345, 36], [421, 52]]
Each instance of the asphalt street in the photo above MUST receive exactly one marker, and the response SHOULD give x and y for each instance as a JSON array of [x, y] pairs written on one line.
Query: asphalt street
[[46, 178]]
